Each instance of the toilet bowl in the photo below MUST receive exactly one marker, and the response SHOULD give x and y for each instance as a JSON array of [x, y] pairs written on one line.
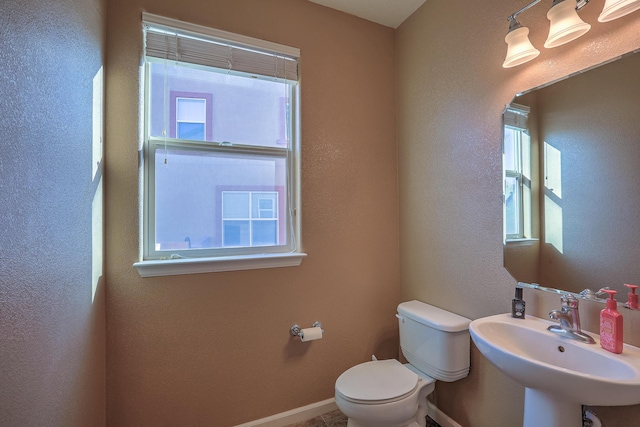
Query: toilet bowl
[[386, 393], [383, 393]]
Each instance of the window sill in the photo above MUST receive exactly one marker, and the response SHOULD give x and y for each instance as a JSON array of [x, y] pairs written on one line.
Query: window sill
[[173, 267], [528, 241]]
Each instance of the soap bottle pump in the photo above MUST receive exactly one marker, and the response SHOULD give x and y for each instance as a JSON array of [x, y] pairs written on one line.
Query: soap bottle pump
[[632, 297], [611, 325], [518, 305]]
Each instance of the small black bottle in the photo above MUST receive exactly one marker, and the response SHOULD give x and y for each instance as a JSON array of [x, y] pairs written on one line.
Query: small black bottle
[[517, 305]]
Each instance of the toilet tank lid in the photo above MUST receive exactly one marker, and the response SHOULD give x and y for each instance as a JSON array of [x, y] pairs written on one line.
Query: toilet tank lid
[[434, 317]]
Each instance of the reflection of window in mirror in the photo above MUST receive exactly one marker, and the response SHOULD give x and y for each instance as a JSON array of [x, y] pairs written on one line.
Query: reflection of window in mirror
[[516, 153]]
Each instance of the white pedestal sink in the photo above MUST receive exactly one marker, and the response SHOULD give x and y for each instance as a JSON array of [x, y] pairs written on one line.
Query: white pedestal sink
[[560, 375]]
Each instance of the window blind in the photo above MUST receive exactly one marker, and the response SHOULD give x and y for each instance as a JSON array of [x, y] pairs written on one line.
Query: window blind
[[174, 40], [516, 115]]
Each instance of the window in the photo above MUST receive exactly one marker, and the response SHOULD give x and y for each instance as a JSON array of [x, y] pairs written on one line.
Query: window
[[249, 218], [221, 150], [191, 118], [517, 173]]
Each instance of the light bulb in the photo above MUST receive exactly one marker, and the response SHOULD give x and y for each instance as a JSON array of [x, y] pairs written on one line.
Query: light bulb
[[565, 24], [519, 48], [614, 9]]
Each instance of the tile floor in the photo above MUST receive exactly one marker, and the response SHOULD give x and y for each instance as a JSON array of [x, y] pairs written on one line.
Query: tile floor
[[337, 419], [330, 419]]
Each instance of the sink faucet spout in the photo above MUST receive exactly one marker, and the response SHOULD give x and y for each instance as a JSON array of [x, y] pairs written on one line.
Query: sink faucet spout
[[569, 319], [566, 321]]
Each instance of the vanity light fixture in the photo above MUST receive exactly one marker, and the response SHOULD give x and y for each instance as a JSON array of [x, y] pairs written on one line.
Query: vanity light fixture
[[614, 9], [565, 26], [519, 47]]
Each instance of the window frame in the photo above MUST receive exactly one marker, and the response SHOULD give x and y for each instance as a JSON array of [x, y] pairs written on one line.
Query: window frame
[[515, 117], [222, 259], [518, 175], [154, 147]]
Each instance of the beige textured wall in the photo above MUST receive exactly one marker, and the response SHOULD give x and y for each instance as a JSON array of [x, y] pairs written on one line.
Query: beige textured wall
[[52, 326], [449, 66], [178, 347]]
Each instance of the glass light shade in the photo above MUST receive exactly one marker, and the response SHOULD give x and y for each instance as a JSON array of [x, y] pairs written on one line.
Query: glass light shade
[[614, 9], [566, 25], [519, 48]]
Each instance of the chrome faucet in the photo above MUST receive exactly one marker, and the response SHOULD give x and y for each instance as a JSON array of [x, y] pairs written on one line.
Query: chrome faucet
[[569, 319], [589, 294]]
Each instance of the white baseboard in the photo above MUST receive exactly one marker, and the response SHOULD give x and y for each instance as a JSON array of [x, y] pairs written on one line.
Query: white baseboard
[[293, 416], [440, 417]]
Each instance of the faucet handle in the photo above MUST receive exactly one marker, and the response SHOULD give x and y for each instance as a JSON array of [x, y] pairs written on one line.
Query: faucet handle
[[569, 300]]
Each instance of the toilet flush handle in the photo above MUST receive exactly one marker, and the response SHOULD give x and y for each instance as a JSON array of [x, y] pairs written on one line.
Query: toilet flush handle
[[400, 317]]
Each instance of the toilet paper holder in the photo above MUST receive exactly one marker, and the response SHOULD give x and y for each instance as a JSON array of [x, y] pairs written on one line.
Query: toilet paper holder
[[296, 331]]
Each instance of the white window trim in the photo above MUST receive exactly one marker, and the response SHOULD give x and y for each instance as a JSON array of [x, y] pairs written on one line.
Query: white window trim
[[170, 267], [173, 267], [526, 241]]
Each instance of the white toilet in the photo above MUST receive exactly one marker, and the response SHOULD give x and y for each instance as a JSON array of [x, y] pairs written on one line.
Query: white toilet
[[386, 393]]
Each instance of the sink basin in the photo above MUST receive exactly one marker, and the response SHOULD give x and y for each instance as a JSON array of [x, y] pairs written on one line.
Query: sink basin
[[559, 374]]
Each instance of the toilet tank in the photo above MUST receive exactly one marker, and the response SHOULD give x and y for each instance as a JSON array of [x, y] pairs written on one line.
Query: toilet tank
[[434, 340]]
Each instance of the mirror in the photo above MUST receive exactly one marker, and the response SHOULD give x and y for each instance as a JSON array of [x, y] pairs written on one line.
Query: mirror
[[584, 186]]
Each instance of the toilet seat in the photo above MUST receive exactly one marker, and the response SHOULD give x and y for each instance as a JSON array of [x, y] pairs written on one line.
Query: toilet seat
[[377, 382]]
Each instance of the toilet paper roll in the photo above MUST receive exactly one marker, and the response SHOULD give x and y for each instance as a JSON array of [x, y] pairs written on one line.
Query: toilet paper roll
[[310, 334]]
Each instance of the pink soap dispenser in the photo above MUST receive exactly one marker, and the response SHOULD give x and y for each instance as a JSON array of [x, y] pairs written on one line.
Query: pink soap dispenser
[[611, 325], [632, 297]]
